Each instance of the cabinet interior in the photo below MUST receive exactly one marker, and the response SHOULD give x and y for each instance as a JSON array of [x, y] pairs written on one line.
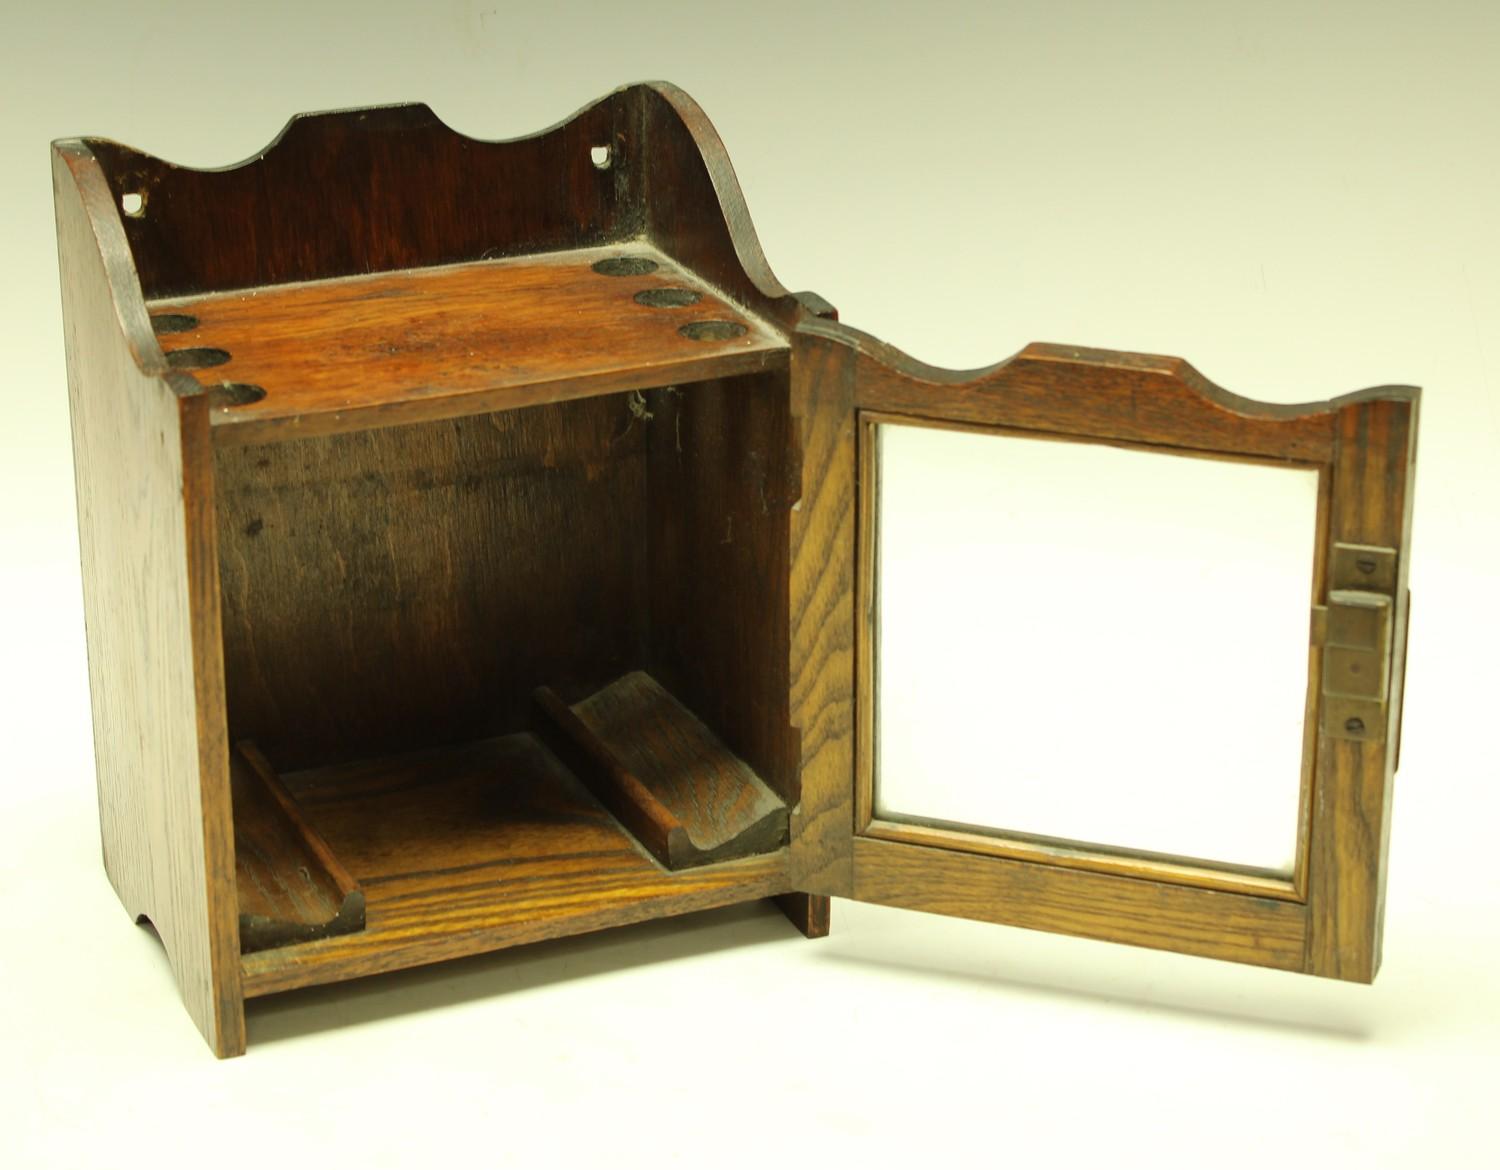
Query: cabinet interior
[[444, 592], [520, 664]]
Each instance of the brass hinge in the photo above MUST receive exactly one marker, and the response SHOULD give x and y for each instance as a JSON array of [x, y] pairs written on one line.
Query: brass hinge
[[1356, 639]]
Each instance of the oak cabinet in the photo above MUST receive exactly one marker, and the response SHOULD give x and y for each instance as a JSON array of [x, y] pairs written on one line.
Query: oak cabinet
[[480, 546]]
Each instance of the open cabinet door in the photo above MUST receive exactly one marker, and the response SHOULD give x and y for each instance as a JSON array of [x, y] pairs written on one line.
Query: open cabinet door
[[1084, 643]]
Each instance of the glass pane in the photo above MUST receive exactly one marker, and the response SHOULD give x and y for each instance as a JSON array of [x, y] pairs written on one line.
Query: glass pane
[[1093, 643]]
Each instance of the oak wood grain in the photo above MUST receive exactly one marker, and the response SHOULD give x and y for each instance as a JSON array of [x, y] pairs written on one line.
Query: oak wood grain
[[1371, 504], [1247, 929], [809, 913], [144, 477], [349, 570], [290, 884], [693, 208], [823, 615], [355, 352], [477, 846], [1040, 850], [352, 192], [410, 586], [1359, 444], [1087, 393], [722, 479], [708, 804], [479, 467], [614, 785]]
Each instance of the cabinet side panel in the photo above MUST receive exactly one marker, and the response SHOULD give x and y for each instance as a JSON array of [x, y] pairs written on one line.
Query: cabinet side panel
[[719, 501], [142, 461], [693, 207], [823, 621]]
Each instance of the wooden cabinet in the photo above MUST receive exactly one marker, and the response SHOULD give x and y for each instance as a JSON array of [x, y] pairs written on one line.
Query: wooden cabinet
[[478, 547]]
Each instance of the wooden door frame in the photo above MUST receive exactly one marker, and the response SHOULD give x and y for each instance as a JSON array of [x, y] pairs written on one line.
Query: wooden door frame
[[1327, 919]]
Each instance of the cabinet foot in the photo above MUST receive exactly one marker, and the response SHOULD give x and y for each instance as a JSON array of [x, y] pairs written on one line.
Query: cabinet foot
[[809, 912]]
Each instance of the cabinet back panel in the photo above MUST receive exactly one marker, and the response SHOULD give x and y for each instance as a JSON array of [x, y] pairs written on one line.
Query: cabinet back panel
[[353, 192], [406, 587]]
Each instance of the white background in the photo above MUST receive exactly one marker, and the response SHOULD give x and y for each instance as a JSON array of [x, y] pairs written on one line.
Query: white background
[[1300, 198], [1094, 643]]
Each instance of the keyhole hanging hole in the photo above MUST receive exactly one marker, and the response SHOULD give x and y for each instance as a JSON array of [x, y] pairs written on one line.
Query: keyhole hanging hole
[[133, 204], [601, 157]]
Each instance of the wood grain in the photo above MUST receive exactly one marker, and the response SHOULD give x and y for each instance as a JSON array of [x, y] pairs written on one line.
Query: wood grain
[[809, 913], [291, 887], [722, 480], [823, 615], [1040, 850], [1350, 832], [693, 208], [1087, 393], [1360, 444], [604, 774], [356, 352], [410, 586], [480, 467], [143, 468], [812, 914], [468, 848], [646, 751], [1247, 929], [1312, 711], [375, 190], [352, 192], [369, 605]]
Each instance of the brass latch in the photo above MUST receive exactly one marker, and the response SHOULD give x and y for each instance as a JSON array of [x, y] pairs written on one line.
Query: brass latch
[[1356, 629]]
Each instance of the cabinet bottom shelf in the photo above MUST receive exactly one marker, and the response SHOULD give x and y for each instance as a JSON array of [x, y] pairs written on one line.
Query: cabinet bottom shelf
[[471, 848]]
